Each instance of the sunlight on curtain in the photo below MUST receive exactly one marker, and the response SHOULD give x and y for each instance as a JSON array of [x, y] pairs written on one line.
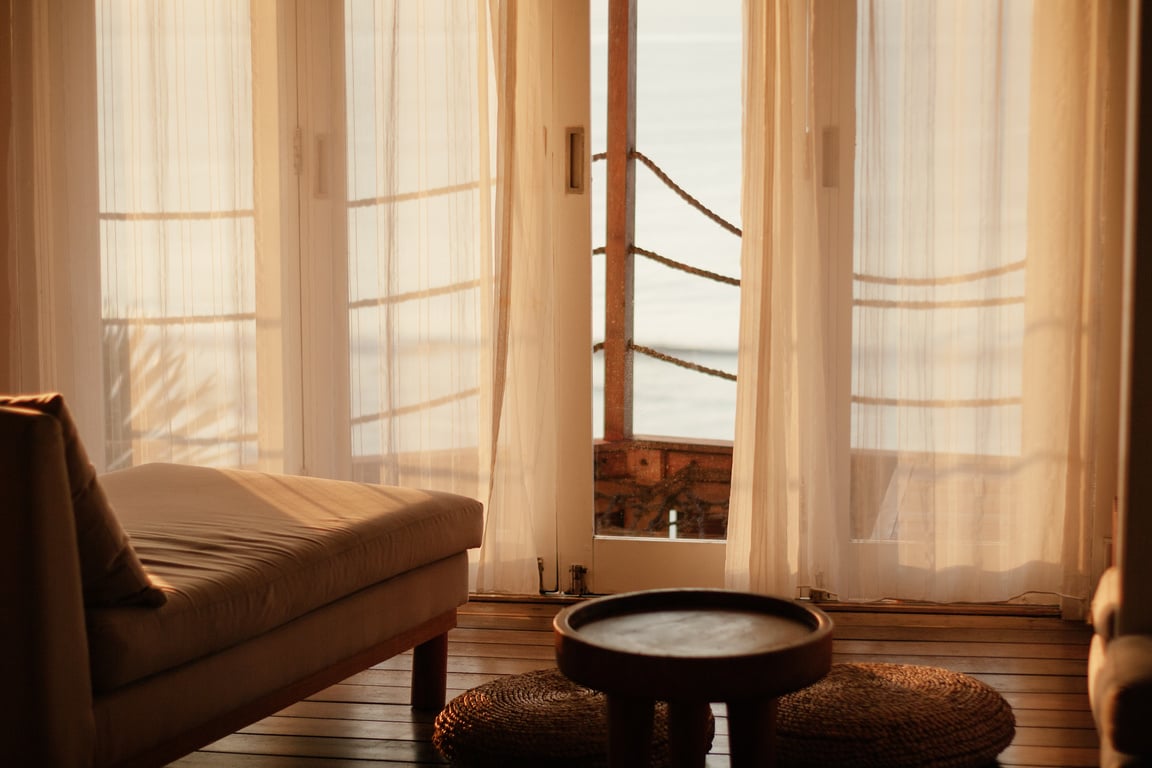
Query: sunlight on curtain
[[419, 222], [452, 339], [939, 297], [176, 231], [782, 460], [526, 438], [967, 465], [450, 377], [49, 253]]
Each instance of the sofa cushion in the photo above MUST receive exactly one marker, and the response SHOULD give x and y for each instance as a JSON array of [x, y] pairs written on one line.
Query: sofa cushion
[[240, 552], [1106, 604], [110, 572]]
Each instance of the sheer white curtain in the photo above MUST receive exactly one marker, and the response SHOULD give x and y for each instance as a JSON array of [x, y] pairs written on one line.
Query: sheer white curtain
[[925, 407], [453, 338], [783, 456], [50, 285], [177, 232], [374, 276], [524, 459]]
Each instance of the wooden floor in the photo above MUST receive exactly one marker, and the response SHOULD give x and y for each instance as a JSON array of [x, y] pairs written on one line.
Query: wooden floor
[[1037, 663]]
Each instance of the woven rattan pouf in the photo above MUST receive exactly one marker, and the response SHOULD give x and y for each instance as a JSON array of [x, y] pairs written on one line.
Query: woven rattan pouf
[[893, 716], [535, 719]]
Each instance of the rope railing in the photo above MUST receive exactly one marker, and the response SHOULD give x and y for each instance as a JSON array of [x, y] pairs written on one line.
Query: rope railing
[[658, 355], [864, 278], [683, 363], [677, 265], [679, 190], [716, 276], [970, 277]]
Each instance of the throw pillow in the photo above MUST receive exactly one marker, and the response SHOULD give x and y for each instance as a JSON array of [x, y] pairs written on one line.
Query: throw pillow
[[110, 571]]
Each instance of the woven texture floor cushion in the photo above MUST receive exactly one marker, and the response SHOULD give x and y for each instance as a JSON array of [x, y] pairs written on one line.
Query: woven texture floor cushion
[[893, 716], [535, 719]]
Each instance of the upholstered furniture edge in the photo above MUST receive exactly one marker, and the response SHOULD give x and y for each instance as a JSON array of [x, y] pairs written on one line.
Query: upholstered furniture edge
[[1119, 682], [46, 712]]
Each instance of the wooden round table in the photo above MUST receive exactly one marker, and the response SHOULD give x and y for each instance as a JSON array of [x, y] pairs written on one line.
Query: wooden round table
[[691, 647]]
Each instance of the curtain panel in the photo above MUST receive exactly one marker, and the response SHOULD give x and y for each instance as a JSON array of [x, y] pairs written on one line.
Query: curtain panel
[[51, 287], [525, 433], [294, 237], [926, 401], [783, 460]]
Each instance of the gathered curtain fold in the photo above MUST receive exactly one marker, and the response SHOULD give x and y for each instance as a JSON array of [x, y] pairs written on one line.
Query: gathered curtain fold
[[525, 433], [50, 293], [782, 464], [206, 287], [926, 403]]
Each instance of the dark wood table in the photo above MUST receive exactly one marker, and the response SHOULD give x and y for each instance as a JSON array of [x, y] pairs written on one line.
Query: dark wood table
[[691, 647]]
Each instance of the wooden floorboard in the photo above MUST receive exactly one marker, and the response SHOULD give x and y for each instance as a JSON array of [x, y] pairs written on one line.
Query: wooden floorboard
[[1038, 663]]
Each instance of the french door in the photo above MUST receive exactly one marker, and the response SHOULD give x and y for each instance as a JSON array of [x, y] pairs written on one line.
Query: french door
[[294, 233]]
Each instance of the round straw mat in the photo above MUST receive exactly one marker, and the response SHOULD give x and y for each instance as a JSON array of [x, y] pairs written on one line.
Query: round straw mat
[[535, 719], [893, 716]]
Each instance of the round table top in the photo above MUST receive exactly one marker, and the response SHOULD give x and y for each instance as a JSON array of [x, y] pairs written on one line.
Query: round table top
[[692, 643]]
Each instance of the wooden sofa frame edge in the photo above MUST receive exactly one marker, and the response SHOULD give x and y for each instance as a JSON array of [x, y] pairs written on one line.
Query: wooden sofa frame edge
[[429, 681]]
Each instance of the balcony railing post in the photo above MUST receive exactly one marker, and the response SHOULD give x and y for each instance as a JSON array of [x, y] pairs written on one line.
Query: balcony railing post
[[620, 219]]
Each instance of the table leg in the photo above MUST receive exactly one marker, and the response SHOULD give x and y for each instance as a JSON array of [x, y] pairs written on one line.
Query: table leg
[[629, 731], [752, 733], [688, 733]]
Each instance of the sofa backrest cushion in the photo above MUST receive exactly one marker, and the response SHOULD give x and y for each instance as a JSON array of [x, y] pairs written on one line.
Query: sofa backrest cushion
[[110, 571]]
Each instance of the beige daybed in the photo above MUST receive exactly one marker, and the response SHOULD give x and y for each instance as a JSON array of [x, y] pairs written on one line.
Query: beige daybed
[[233, 594]]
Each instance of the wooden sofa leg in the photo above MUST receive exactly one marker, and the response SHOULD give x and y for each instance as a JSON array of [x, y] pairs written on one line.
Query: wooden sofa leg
[[430, 673]]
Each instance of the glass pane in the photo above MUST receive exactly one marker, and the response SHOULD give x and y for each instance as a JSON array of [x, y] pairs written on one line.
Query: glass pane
[[940, 228], [177, 230], [414, 238], [940, 270]]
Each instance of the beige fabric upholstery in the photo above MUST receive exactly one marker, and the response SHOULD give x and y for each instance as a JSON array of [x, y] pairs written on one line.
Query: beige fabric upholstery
[[110, 572], [238, 553], [179, 699], [46, 714], [1123, 695], [339, 574], [1119, 681], [1105, 604]]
